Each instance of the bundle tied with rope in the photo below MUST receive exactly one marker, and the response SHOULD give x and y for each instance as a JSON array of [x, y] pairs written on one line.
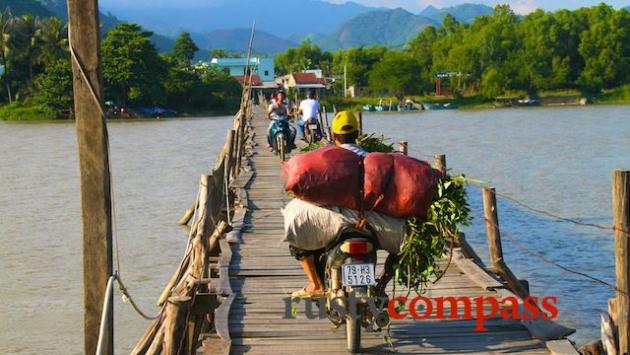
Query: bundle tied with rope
[[427, 238]]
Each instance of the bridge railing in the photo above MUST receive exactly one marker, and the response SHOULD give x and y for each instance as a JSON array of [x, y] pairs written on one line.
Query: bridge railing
[[195, 303]]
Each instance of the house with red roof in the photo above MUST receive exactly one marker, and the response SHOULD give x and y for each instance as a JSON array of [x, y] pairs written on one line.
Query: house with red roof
[[302, 81]]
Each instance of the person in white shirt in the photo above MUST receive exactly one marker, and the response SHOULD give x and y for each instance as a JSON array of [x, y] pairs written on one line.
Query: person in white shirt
[[309, 108]]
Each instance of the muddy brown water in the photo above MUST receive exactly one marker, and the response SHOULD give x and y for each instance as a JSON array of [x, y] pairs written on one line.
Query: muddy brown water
[[558, 159]]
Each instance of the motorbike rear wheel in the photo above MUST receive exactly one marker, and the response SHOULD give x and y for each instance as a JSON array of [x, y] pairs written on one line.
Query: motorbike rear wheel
[[353, 332], [310, 138]]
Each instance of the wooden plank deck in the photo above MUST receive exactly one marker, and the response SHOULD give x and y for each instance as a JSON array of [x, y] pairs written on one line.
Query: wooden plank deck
[[262, 274]]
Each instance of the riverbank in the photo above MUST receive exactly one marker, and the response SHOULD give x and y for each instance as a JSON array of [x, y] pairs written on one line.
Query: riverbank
[[20, 112], [620, 95]]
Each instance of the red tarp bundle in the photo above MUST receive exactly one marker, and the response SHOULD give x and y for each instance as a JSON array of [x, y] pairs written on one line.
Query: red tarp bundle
[[394, 184]]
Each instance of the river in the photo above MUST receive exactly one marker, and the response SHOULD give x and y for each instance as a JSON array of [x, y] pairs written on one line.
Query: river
[[156, 166], [558, 159]]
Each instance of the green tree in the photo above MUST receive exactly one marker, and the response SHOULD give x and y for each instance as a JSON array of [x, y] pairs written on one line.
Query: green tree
[[56, 88], [492, 83], [28, 38], [396, 74], [307, 56], [219, 53], [605, 47], [6, 47], [131, 65], [184, 49], [421, 49], [357, 63], [54, 36]]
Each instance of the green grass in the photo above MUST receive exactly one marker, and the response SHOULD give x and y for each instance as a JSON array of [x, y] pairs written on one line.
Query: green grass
[[620, 95], [357, 103], [17, 111]]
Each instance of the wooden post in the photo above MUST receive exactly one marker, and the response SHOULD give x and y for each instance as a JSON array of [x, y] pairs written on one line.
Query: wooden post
[[440, 163], [92, 139], [360, 119], [621, 223], [240, 141], [229, 144], [403, 147], [493, 233], [492, 226]]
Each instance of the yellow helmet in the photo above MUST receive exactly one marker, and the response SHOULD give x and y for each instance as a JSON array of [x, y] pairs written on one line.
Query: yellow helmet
[[345, 123]]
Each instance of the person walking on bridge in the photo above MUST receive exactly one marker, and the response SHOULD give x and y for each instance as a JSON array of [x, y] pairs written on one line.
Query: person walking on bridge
[[345, 129]]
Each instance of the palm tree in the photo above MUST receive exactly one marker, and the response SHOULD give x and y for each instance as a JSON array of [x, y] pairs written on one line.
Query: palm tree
[[6, 48], [29, 30], [54, 35]]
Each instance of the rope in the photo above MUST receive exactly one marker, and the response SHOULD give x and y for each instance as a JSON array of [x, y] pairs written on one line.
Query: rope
[[554, 216], [125, 293], [558, 217], [127, 298], [551, 262]]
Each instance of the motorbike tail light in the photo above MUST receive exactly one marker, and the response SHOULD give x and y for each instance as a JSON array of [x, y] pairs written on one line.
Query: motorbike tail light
[[357, 247]]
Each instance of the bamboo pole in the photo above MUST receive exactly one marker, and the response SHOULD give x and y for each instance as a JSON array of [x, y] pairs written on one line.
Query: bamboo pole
[[188, 214], [92, 138], [621, 222], [403, 147], [493, 233]]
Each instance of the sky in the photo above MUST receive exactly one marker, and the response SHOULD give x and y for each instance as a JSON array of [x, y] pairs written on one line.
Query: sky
[[519, 6]]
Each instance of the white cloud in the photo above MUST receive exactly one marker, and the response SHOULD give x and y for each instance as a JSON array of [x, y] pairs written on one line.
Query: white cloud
[[523, 7]]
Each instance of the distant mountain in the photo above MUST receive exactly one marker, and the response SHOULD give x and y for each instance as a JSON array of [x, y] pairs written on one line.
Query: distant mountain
[[108, 21], [237, 39], [60, 9], [23, 7], [462, 13], [383, 27], [431, 12], [281, 18]]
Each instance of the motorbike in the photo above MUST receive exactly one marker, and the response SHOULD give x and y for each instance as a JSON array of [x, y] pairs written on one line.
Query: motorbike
[[281, 136], [354, 295], [312, 131]]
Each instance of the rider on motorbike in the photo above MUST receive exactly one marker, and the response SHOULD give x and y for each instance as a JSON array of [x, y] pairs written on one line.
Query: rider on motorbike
[[279, 111], [345, 129], [309, 109]]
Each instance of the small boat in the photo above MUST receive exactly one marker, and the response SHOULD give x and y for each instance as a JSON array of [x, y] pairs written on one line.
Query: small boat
[[435, 106], [369, 108], [406, 107], [528, 102]]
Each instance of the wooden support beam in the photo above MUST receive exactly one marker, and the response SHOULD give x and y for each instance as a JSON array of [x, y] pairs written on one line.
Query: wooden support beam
[[621, 223], [231, 136], [493, 233], [403, 147], [440, 163], [359, 115], [92, 139]]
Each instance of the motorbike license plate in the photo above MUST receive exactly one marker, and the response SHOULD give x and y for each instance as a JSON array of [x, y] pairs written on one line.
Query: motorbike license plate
[[312, 127], [357, 275]]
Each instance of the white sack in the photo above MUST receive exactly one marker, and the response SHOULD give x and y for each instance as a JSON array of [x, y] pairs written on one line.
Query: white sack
[[311, 227]]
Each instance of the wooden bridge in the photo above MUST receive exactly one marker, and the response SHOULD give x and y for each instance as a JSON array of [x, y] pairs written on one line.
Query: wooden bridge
[[229, 294]]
